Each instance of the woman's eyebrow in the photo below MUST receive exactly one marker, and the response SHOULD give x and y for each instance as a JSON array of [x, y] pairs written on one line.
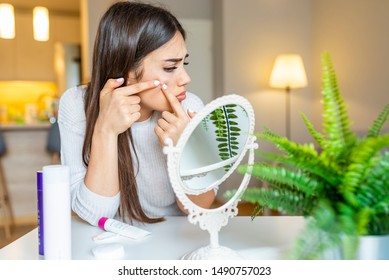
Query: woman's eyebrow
[[176, 59]]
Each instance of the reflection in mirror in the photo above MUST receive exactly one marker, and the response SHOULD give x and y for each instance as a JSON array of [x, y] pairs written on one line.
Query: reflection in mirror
[[209, 149], [212, 151]]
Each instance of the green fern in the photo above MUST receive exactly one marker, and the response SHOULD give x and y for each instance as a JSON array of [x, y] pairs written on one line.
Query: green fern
[[227, 131], [342, 189], [309, 185], [280, 199], [376, 186], [335, 117], [376, 128], [320, 139], [362, 159]]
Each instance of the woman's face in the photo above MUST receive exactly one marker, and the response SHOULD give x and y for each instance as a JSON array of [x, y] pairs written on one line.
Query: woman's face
[[165, 64]]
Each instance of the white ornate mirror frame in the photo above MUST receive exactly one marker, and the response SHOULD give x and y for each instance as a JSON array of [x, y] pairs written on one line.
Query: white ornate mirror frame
[[211, 220]]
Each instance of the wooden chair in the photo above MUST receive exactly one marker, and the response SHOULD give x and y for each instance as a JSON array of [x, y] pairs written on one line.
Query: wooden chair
[[5, 201]]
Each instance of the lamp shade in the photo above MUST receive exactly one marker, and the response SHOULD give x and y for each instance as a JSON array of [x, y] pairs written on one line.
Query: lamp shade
[[41, 23], [7, 21], [288, 72]]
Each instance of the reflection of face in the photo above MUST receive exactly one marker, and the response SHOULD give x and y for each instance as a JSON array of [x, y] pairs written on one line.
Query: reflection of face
[[165, 64]]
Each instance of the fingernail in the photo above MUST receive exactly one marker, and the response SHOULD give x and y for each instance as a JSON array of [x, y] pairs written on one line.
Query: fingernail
[[119, 80], [190, 111], [164, 86], [156, 82]]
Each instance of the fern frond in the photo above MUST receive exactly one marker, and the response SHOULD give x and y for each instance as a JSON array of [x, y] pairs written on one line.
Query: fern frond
[[314, 165], [320, 139], [376, 186], [378, 124], [283, 200], [314, 244], [382, 207], [227, 130], [335, 117], [378, 225], [289, 147], [363, 159], [321, 238], [363, 219], [309, 185]]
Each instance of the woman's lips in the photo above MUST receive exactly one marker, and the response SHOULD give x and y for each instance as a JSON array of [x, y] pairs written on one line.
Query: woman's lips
[[181, 96]]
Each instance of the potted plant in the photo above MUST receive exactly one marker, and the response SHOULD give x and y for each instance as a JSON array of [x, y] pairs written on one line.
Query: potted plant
[[341, 187]]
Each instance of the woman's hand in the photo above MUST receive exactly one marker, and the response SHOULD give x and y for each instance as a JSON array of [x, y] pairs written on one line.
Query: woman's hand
[[172, 124], [119, 106]]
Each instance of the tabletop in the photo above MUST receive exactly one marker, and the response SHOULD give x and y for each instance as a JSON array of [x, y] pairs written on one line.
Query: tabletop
[[265, 237]]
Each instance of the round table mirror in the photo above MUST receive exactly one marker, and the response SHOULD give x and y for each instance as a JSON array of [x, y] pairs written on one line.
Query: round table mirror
[[209, 150]]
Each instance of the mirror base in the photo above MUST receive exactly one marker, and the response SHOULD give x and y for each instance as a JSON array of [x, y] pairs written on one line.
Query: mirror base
[[213, 253]]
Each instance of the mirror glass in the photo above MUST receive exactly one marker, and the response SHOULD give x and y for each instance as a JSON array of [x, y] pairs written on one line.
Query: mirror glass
[[214, 149]]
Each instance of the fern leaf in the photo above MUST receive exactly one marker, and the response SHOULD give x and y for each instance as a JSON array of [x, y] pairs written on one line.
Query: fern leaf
[[309, 185], [382, 207], [376, 185], [311, 244], [378, 225], [321, 238], [320, 139], [363, 219], [335, 117], [226, 131], [283, 200], [376, 128], [363, 160], [289, 147], [314, 165]]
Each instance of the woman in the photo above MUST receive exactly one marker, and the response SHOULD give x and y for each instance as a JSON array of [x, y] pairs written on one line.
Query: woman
[[113, 130]]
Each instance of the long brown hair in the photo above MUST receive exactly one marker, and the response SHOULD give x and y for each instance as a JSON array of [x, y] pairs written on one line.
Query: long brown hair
[[127, 33]]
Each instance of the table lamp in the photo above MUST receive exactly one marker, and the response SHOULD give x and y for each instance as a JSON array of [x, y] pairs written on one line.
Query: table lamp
[[288, 72]]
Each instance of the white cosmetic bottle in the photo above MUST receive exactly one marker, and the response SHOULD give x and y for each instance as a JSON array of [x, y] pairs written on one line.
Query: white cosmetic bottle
[[120, 228], [56, 212]]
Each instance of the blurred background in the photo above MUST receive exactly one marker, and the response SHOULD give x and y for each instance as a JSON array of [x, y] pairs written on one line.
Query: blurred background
[[233, 46]]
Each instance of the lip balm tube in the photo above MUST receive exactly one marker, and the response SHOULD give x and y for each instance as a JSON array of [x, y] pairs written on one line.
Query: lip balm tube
[[121, 228], [57, 212], [39, 184]]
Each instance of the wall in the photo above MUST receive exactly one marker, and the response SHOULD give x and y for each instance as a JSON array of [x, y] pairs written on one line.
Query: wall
[[91, 12], [250, 37], [355, 32], [253, 35]]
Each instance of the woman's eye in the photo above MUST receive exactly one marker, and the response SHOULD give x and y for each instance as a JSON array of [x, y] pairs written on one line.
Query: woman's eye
[[170, 69]]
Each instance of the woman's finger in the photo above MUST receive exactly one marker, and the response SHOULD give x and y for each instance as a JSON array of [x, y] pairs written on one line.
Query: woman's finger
[[174, 103], [111, 85], [169, 117], [137, 88], [160, 134], [163, 124], [191, 114]]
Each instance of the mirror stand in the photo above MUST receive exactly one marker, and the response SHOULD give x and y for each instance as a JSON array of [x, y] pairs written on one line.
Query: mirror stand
[[211, 220]]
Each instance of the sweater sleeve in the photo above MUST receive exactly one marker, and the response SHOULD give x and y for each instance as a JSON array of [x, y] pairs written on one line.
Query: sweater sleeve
[[71, 120]]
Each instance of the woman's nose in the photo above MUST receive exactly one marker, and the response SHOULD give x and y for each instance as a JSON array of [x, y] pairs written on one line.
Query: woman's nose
[[184, 78]]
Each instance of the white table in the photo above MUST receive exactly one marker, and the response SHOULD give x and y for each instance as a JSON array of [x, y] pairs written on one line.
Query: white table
[[263, 238]]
